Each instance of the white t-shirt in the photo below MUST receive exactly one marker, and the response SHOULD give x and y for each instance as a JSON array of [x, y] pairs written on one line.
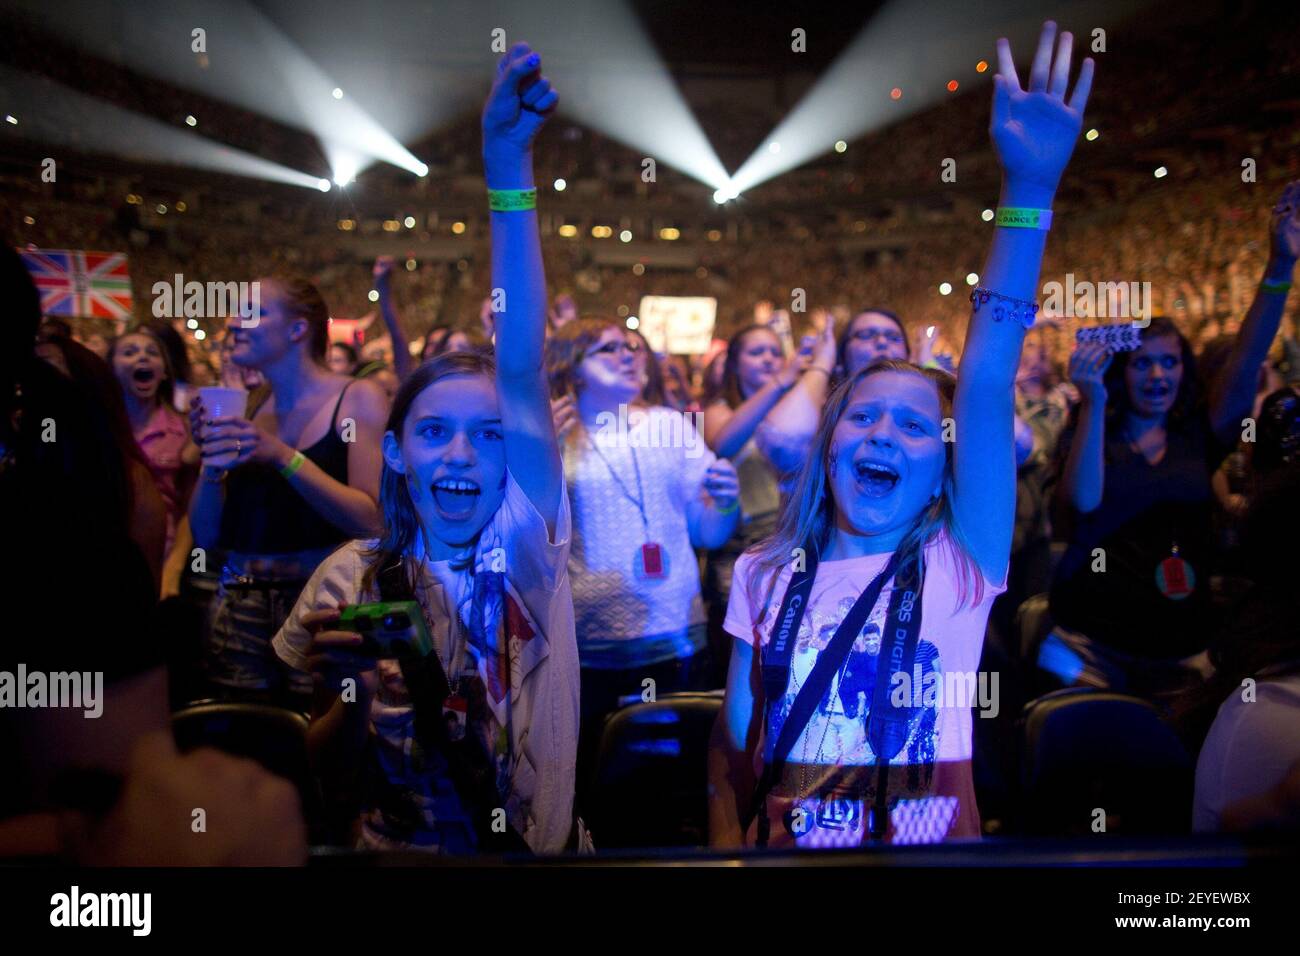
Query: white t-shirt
[[523, 703], [824, 776], [1249, 750], [625, 619]]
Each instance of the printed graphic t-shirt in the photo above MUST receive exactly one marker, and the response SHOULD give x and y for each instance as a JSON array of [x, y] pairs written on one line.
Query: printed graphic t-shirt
[[829, 779]]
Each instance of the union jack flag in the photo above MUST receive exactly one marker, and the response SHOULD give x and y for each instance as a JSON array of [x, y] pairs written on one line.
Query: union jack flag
[[93, 285]]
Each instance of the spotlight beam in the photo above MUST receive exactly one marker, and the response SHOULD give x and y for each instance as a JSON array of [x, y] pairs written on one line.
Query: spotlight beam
[[918, 50], [611, 78], [249, 61], [71, 118]]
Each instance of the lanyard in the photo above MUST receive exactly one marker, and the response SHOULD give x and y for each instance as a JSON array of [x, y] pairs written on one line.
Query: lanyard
[[888, 724], [639, 501]]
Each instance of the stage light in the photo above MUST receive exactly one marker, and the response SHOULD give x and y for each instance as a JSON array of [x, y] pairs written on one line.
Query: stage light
[[28, 220], [638, 269], [625, 235], [1091, 135], [560, 185], [421, 169], [972, 278], [200, 334], [952, 86], [162, 209], [191, 323], [391, 225], [669, 233], [347, 225], [1161, 172], [725, 193], [191, 121], [623, 310], [338, 94], [987, 215], [633, 322], [181, 207], [568, 230], [410, 265], [11, 119], [945, 288], [714, 235], [373, 295], [457, 227], [323, 185], [345, 171], [601, 232], [895, 94], [840, 146], [409, 222], [981, 66]]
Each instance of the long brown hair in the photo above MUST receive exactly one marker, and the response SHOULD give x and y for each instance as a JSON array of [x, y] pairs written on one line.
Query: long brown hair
[[808, 516]]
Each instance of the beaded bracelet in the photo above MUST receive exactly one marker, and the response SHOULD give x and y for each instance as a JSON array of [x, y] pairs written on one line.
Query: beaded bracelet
[[1021, 310]]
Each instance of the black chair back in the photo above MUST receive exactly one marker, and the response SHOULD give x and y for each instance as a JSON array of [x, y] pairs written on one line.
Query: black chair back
[[1096, 758], [651, 773]]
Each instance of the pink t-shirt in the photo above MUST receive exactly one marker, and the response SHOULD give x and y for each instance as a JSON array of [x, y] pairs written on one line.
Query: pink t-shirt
[[829, 778], [162, 440]]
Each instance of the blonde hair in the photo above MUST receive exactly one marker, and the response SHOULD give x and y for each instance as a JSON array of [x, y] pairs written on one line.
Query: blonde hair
[[808, 515]]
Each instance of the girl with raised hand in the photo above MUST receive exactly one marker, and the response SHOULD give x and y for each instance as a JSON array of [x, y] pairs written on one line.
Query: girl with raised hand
[[476, 531], [646, 491], [1136, 494], [859, 623], [762, 421]]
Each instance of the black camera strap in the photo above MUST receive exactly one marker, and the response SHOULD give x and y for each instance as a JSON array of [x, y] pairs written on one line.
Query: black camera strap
[[469, 765], [887, 725]]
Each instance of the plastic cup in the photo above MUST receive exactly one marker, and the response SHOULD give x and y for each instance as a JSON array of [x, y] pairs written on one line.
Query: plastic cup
[[221, 402]]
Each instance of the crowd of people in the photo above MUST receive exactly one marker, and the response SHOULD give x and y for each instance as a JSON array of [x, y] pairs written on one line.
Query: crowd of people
[[805, 524]]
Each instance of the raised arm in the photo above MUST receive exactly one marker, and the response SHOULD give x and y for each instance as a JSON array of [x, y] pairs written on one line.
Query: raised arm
[[518, 105], [1034, 131], [1232, 394], [1084, 475], [402, 360], [728, 429]]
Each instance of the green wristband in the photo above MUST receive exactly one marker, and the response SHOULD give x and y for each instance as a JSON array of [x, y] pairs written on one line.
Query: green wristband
[[512, 200], [1017, 217], [295, 463], [1275, 288]]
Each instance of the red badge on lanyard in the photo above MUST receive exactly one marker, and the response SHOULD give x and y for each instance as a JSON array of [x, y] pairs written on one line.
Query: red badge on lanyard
[[1175, 577], [652, 560]]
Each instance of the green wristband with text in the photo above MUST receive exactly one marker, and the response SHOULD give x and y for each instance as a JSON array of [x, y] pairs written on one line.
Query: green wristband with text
[[1017, 217], [294, 464], [512, 200]]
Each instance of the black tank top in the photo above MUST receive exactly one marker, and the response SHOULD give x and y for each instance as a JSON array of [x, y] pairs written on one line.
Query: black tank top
[[263, 514]]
